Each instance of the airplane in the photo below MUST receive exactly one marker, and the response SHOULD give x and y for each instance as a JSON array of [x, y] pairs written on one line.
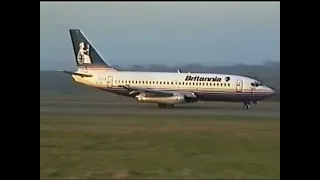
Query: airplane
[[166, 89]]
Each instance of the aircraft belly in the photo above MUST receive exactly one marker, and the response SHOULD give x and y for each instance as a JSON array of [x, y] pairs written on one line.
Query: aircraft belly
[[231, 97]]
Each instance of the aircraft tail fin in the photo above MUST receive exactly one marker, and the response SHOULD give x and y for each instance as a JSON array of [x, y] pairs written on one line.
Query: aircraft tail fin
[[86, 55]]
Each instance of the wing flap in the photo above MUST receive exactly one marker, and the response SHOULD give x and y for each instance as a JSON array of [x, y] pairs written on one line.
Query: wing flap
[[159, 92], [151, 91]]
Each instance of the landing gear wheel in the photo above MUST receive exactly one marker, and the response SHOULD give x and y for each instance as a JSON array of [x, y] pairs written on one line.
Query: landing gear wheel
[[165, 105], [245, 106]]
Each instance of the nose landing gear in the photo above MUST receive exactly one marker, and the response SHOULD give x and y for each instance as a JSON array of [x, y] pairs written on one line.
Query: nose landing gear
[[246, 105]]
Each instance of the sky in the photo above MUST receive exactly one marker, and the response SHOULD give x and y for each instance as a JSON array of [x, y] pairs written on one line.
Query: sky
[[168, 33]]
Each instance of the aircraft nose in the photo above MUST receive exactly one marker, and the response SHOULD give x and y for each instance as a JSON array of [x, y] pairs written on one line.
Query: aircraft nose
[[272, 91]]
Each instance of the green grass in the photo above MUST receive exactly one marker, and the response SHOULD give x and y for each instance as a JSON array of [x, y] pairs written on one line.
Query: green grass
[[159, 147]]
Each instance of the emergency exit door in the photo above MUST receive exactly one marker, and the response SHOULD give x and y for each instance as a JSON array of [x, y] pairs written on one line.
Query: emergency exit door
[[239, 86], [109, 81]]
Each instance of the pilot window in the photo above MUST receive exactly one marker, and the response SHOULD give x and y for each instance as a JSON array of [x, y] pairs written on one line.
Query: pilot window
[[256, 83]]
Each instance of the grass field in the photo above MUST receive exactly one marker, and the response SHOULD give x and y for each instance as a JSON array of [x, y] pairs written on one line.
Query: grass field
[[159, 147]]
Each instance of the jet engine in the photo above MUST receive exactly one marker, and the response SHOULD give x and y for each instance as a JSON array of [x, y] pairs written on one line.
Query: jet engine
[[175, 99]]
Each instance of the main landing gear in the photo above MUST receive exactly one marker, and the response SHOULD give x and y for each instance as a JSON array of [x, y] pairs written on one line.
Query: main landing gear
[[165, 105], [245, 105]]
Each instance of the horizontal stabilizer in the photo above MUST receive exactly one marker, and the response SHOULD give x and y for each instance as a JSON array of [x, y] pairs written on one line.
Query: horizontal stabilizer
[[77, 74]]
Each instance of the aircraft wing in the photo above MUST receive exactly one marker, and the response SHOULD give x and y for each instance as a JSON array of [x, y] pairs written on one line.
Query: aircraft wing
[[161, 93], [77, 74]]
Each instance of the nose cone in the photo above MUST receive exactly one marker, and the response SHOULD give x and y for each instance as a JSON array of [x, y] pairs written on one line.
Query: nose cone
[[270, 91]]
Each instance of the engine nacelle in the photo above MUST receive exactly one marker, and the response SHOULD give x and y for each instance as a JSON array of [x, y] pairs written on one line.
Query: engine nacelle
[[175, 99]]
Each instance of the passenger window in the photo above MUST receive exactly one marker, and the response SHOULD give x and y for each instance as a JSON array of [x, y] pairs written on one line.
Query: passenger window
[[171, 83], [228, 84], [225, 84], [217, 84], [179, 83]]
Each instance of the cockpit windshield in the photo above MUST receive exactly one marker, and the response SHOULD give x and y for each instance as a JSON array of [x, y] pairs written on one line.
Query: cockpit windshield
[[256, 83]]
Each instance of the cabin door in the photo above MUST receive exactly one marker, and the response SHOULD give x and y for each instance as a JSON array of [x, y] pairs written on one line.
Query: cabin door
[[239, 86], [109, 81]]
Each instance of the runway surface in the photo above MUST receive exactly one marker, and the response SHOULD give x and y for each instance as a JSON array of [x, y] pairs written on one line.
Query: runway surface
[[67, 107]]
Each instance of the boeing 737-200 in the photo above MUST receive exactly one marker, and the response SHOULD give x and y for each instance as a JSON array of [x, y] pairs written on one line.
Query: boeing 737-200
[[163, 88]]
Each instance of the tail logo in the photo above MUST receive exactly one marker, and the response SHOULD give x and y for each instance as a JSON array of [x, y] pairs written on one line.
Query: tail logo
[[84, 54]]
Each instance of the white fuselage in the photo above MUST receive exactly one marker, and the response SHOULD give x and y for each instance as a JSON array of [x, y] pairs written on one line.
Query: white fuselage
[[207, 87]]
